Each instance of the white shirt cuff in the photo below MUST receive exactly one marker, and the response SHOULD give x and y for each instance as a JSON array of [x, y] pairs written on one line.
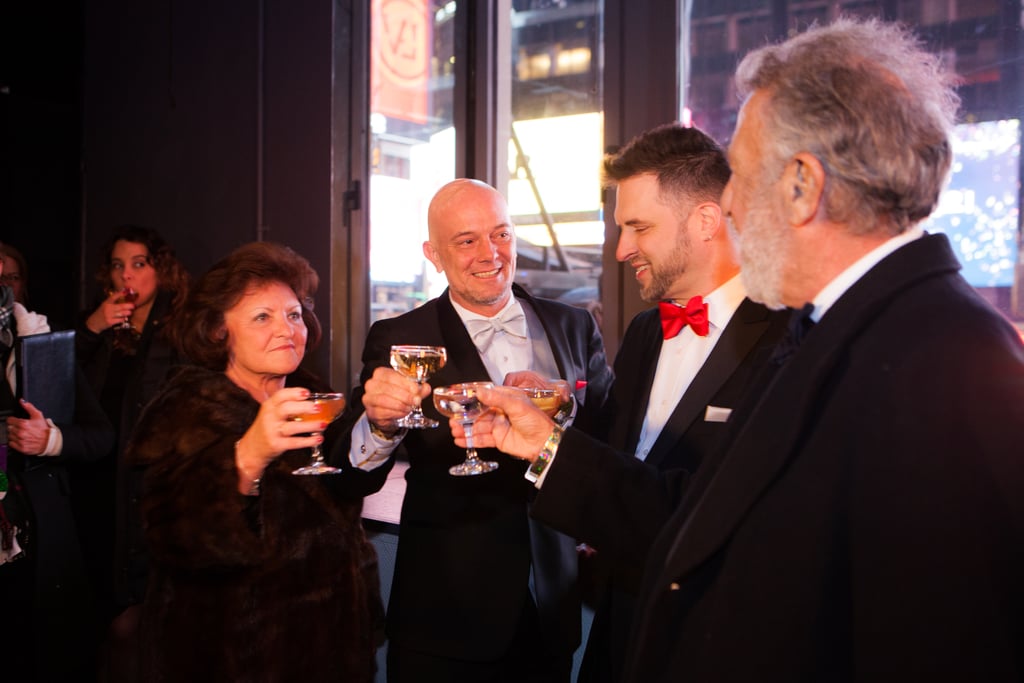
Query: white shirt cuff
[[55, 441], [369, 451]]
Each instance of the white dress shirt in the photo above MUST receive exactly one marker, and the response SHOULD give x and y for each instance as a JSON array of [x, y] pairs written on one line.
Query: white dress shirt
[[682, 357]]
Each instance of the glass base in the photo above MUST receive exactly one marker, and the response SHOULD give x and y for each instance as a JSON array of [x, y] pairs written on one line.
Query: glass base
[[470, 468], [317, 468], [416, 421]]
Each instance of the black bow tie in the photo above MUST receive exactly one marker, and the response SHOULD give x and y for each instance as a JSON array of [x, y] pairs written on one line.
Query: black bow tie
[[800, 324]]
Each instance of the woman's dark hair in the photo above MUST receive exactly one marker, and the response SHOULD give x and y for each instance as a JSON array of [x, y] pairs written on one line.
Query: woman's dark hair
[[171, 274], [199, 332]]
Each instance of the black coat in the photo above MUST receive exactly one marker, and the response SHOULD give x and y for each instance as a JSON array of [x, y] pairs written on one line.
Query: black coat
[[867, 519], [47, 604], [106, 494], [475, 531], [685, 441], [278, 587]]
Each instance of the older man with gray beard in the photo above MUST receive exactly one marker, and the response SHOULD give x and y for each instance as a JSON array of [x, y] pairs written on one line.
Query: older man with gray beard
[[867, 517]]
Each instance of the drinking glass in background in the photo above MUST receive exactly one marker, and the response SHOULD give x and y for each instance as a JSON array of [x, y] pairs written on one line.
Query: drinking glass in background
[[555, 398], [127, 296]]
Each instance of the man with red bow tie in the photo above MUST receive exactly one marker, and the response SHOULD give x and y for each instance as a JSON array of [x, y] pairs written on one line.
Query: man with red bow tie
[[684, 364]]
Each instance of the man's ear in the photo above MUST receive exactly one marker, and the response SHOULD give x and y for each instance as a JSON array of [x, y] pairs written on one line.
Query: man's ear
[[431, 255], [710, 216], [803, 183]]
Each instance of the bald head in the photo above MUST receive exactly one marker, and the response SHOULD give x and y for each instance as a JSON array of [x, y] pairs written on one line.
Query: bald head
[[462, 196], [472, 242]]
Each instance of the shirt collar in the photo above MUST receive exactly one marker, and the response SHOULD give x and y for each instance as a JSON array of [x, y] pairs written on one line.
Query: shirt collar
[[724, 301], [466, 314], [846, 279]]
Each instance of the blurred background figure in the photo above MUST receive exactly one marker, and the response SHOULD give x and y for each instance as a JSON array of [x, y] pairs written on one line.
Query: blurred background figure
[[124, 351], [256, 574], [46, 602], [15, 273]]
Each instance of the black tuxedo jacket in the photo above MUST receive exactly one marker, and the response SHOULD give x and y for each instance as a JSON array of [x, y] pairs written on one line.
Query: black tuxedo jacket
[[466, 544], [687, 438], [867, 518], [745, 345]]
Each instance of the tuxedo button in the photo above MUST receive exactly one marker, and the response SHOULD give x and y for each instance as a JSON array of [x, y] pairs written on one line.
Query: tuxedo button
[[673, 586]]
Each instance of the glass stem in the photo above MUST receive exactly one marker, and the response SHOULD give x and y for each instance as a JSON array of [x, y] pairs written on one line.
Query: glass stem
[[417, 409], [470, 449]]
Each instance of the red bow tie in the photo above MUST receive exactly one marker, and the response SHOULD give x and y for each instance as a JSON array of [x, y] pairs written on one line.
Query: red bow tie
[[674, 317]]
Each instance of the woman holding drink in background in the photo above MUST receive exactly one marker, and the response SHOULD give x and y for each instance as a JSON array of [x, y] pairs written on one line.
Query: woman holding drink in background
[[125, 354], [256, 573]]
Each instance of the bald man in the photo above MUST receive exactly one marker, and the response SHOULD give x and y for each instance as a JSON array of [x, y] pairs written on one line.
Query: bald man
[[480, 591]]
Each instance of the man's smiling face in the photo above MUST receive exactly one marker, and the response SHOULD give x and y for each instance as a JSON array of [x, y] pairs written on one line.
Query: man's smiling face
[[473, 243]]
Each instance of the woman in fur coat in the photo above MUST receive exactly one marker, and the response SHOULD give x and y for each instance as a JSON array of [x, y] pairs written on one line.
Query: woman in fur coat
[[256, 574]]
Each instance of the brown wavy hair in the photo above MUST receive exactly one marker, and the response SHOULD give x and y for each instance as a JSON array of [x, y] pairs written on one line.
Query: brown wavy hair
[[171, 274], [199, 332], [689, 165]]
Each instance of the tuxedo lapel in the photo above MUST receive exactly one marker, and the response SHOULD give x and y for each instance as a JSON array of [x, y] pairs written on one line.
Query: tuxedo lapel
[[555, 331], [746, 326], [634, 376], [553, 554], [771, 436], [464, 363]]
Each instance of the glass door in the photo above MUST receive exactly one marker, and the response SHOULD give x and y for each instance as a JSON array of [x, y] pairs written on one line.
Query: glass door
[[412, 144], [555, 148]]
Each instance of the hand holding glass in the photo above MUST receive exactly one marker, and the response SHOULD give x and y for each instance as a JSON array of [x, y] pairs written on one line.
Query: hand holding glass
[[328, 408], [461, 402], [418, 363]]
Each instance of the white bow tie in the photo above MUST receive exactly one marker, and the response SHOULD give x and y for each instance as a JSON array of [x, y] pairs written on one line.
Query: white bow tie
[[482, 330]]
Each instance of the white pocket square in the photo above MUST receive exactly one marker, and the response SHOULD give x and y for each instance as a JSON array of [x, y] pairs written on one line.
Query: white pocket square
[[717, 414]]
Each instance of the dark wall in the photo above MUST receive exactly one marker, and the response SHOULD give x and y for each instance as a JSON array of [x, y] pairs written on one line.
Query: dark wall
[[40, 85], [632, 105], [211, 123]]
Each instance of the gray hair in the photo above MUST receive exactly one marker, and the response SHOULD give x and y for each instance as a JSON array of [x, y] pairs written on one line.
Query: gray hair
[[876, 109]]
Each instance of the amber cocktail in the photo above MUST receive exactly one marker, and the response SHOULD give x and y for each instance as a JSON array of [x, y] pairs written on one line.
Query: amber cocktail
[[328, 408], [418, 363], [547, 400]]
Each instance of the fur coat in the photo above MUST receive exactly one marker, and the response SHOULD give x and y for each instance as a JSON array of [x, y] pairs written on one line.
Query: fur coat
[[276, 587]]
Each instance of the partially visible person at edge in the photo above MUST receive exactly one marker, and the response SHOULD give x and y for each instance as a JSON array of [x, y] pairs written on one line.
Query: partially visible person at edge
[[255, 573], [124, 351], [15, 272], [866, 520], [46, 601], [683, 366], [476, 580]]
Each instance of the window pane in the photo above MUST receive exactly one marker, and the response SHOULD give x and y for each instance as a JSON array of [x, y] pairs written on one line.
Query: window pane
[[412, 144], [555, 147], [980, 209]]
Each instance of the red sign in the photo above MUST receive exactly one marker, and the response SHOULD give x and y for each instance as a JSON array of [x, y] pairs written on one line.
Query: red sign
[[400, 65]]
